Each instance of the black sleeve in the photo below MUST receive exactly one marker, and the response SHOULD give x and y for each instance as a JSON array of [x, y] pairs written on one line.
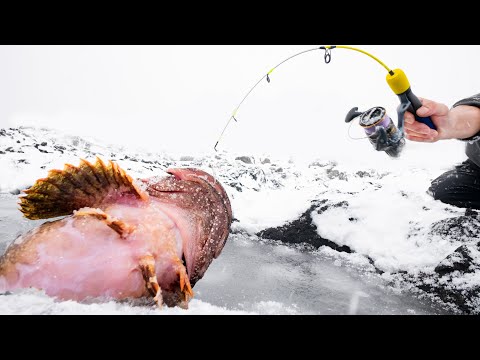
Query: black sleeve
[[471, 101]]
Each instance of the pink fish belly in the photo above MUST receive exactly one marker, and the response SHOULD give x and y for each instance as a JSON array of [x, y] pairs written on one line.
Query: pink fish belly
[[84, 258]]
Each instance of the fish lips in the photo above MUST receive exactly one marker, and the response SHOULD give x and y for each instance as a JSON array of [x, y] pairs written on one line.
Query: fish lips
[[197, 175], [208, 181], [200, 192]]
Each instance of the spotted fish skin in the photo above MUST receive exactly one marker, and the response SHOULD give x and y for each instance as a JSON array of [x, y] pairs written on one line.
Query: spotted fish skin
[[119, 238]]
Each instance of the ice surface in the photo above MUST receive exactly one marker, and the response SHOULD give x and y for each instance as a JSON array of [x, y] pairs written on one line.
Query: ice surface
[[287, 280], [388, 219], [250, 277]]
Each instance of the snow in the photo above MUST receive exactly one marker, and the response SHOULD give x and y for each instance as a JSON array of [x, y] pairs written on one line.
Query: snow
[[270, 208], [387, 220], [34, 302], [251, 276]]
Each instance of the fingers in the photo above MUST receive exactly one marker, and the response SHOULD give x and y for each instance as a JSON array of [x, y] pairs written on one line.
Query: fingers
[[409, 118], [416, 131], [419, 128], [431, 108], [423, 134], [424, 139], [432, 136]]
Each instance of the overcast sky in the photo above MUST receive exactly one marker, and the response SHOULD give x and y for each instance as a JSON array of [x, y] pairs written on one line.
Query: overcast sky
[[178, 98]]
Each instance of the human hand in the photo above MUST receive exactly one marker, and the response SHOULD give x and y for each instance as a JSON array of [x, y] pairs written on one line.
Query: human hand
[[439, 113]]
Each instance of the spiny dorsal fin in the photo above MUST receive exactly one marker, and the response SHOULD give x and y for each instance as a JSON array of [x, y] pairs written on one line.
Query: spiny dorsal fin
[[73, 188]]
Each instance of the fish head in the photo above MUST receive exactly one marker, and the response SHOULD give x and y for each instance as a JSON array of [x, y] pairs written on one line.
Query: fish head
[[209, 209]]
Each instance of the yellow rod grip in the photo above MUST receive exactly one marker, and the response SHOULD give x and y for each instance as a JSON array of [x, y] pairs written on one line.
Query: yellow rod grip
[[398, 82]]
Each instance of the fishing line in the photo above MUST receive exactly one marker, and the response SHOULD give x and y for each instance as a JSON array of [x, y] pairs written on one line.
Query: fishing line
[[354, 138], [266, 76], [327, 57]]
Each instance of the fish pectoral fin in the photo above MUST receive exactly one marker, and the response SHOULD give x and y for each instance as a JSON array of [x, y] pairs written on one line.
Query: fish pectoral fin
[[73, 188], [121, 228], [184, 280], [181, 292], [147, 266]]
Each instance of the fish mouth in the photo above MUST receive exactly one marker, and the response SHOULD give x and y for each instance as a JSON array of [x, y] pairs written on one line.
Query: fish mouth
[[197, 175], [207, 202]]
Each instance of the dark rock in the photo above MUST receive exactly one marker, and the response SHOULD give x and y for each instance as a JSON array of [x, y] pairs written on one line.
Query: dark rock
[[363, 174], [43, 143], [10, 149], [23, 161], [2, 152], [279, 170], [18, 141], [441, 284], [372, 262], [333, 173], [266, 161], [236, 186], [186, 158], [471, 212], [462, 261], [3, 132], [318, 164], [342, 204], [459, 260], [245, 159], [15, 192], [457, 227], [303, 230], [462, 299]]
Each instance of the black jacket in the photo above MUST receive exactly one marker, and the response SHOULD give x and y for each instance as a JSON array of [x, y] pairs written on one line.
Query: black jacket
[[473, 144]]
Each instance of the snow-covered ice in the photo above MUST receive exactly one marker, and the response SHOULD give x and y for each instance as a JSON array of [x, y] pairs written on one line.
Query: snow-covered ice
[[252, 276], [386, 221]]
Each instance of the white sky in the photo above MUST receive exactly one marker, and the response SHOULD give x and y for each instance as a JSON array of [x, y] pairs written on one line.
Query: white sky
[[178, 98]]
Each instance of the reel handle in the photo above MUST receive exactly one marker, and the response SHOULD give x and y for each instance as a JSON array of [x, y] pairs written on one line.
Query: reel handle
[[352, 114]]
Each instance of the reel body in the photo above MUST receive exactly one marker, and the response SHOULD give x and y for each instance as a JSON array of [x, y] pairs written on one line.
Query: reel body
[[380, 129]]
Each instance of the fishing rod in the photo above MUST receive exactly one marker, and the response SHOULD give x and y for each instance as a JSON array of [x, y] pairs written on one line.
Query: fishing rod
[[378, 126]]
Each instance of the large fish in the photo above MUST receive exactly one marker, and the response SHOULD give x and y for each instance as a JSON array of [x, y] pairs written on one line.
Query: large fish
[[120, 238]]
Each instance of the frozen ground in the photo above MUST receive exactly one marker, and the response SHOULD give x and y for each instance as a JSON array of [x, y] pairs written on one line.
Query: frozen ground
[[252, 276], [397, 234]]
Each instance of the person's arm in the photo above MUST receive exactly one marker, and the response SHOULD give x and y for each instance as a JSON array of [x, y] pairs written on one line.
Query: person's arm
[[462, 122]]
